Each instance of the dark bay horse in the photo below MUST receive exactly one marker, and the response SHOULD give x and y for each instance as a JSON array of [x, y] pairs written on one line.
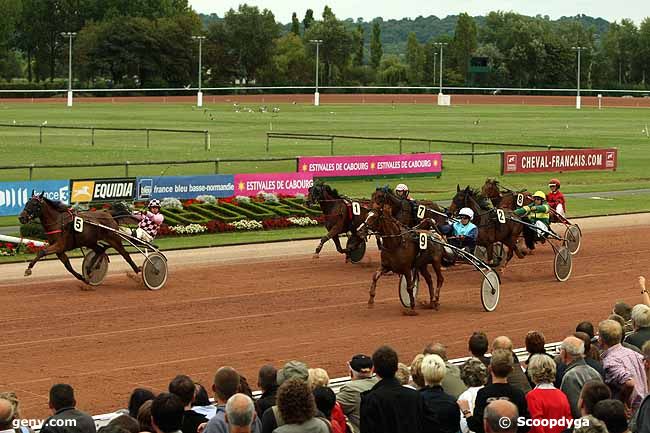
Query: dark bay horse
[[402, 209], [503, 198], [339, 216], [490, 230], [57, 220], [401, 254]]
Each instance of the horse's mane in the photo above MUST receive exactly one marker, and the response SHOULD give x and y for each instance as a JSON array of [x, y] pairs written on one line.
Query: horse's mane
[[332, 191], [385, 189], [57, 205]]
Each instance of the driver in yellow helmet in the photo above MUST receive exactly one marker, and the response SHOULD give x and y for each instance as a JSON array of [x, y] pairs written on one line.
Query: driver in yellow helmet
[[538, 214]]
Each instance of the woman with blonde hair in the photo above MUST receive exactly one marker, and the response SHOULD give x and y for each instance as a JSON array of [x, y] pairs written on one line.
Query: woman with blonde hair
[[545, 401], [441, 412]]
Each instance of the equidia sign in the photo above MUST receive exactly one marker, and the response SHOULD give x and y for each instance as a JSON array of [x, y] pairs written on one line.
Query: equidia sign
[[370, 165], [559, 160], [185, 187], [14, 195], [98, 190]]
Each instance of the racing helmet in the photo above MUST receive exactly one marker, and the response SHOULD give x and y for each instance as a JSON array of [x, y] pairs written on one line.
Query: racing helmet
[[540, 194], [154, 203], [401, 187], [554, 182], [466, 212]]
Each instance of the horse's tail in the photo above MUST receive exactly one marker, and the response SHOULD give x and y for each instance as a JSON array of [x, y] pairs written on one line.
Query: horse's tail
[[121, 214]]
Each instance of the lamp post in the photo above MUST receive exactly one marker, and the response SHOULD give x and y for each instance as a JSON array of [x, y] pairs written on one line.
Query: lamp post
[[199, 95], [316, 94], [69, 35], [578, 49], [435, 59], [441, 98]]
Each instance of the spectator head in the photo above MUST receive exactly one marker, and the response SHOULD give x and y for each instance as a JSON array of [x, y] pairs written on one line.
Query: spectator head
[[112, 428], [360, 367], [138, 397], [640, 316], [226, 384], [592, 392], [610, 333], [500, 416], [617, 318], [645, 349], [127, 423], [436, 349], [267, 378], [293, 370], [317, 377], [384, 362], [478, 344], [167, 413], [183, 387], [240, 413], [201, 397], [535, 342], [542, 369], [585, 339], [244, 387], [612, 413], [589, 424], [587, 328], [502, 342], [433, 370], [296, 402], [501, 363], [144, 416], [8, 409], [572, 349], [416, 370], [61, 395], [473, 372], [403, 374], [623, 310], [325, 400]]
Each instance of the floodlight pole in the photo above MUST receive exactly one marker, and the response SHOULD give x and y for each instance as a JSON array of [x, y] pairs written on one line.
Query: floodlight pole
[[578, 101], [441, 45], [435, 59], [199, 95], [69, 35], [316, 94]]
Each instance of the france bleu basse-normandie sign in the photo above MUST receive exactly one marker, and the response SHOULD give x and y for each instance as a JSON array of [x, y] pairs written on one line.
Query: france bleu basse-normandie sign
[[102, 190]]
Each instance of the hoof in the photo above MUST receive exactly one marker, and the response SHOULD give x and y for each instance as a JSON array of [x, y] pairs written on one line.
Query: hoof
[[133, 276], [427, 305], [28, 272], [409, 312], [315, 256], [371, 303], [87, 288]]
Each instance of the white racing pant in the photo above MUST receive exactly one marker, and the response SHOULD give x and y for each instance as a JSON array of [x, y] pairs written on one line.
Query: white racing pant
[[560, 210], [138, 233], [543, 229]]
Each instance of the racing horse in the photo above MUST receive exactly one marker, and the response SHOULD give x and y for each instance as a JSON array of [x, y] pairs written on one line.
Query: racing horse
[[490, 230], [402, 209], [401, 254], [501, 198], [57, 221], [339, 217]]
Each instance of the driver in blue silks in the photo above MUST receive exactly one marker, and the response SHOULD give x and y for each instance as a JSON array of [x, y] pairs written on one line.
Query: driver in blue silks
[[463, 233]]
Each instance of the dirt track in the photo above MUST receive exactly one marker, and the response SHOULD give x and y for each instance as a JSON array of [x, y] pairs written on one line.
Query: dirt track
[[246, 306], [355, 98]]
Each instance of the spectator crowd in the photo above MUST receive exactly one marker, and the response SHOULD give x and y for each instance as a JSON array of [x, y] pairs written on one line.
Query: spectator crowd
[[597, 383]]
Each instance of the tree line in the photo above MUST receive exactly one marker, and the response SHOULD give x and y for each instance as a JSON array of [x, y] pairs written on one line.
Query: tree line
[[148, 43]]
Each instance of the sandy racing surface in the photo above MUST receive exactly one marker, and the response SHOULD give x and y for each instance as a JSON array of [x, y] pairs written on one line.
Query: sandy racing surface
[[245, 306]]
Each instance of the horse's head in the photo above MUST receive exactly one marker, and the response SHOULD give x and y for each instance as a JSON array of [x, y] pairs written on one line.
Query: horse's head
[[460, 200], [33, 209], [372, 221], [491, 188], [315, 193]]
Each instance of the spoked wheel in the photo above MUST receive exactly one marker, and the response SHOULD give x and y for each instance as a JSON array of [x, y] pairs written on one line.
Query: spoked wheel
[[404, 294], [498, 254], [97, 273], [490, 290], [356, 255], [154, 271], [573, 238], [563, 264]]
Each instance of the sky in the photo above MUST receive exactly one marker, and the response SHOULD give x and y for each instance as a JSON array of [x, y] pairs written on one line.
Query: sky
[[369, 9]]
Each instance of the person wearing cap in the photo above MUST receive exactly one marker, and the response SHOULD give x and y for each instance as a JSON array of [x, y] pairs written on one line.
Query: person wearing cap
[[555, 198], [539, 215], [361, 380], [149, 221], [461, 233], [402, 191]]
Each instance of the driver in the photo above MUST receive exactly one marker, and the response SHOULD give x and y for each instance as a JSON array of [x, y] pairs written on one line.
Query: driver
[[402, 191], [537, 214], [556, 198], [463, 233], [150, 221]]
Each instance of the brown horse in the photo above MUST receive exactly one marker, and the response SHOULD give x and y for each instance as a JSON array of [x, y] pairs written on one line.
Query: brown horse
[[57, 220], [404, 210], [490, 230], [401, 254], [339, 217], [503, 198]]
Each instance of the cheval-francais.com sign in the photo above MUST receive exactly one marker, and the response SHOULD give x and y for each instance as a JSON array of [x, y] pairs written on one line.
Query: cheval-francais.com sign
[[559, 160]]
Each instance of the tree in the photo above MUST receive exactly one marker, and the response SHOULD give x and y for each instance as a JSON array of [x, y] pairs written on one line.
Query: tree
[[308, 20], [337, 43], [295, 24], [376, 51], [358, 43], [644, 50], [289, 64], [414, 60], [464, 43], [392, 72], [429, 67]]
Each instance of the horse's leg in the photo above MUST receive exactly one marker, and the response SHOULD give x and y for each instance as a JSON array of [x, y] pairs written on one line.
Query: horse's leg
[[373, 285], [437, 267], [51, 249], [66, 262], [99, 250], [116, 243], [410, 282], [427, 277]]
